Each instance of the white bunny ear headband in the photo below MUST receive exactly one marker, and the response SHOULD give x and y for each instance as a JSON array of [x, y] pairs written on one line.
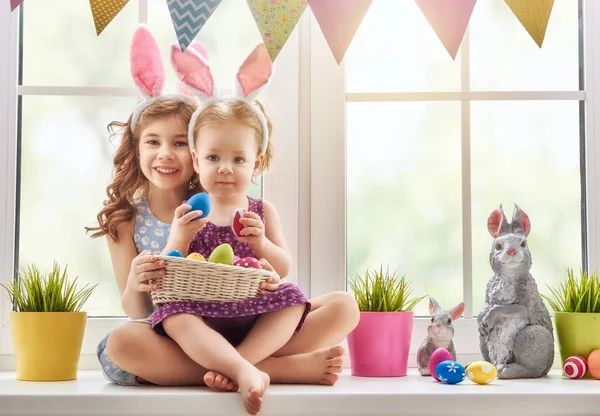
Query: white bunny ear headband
[[149, 74], [253, 76]]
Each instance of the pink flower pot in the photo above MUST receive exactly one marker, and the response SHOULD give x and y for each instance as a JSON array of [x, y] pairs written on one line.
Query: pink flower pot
[[380, 344]]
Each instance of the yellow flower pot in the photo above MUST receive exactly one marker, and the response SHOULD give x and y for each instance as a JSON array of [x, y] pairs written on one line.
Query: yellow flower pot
[[47, 344], [577, 333]]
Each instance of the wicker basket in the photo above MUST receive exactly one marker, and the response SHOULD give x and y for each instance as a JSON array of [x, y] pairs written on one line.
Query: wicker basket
[[201, 281]]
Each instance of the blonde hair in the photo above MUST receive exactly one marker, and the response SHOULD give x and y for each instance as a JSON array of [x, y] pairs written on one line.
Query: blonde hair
[[129, 182], [241, 112]]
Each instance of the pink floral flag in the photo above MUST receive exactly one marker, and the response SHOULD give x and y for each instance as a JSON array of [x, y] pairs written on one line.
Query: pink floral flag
[[533, 15], [14, 4], [276, 19], [339, 20], [449, 19]]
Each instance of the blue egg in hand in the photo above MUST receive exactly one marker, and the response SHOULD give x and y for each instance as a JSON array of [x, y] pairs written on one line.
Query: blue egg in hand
[[450, 372], [199, 202], [174, 253]]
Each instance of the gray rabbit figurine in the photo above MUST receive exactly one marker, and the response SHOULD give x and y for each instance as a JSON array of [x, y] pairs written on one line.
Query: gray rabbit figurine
[[515, 330], [439, 334]]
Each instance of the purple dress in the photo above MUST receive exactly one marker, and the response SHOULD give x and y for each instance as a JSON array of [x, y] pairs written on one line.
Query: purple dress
[[233, 320]]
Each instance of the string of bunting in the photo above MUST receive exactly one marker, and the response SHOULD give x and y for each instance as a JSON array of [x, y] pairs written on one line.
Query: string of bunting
[[338, 19]]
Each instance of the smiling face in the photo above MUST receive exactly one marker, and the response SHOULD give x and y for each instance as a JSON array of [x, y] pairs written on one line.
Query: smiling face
[[164, 154], [226, 158]]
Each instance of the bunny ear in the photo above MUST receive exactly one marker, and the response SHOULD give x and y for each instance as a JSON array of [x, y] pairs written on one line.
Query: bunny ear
[[497, 222], [434, 306], [255, 73], [193, 69], [183, 89], [520, 221], [457, 311], [145, 64]]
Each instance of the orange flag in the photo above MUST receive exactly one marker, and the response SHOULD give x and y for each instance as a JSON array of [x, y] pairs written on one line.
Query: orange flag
[[104, 11], [533, 15]]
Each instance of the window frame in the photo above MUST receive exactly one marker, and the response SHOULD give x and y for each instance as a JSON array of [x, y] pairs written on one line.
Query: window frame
[[280, 188]]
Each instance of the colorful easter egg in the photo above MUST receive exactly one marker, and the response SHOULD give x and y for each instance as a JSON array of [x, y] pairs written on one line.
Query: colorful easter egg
[[439, 355], [236, 225], [450, 372], [593, 363], [575, 367], [196, 256], [199, 202], [481, 372], [174, 253], [222, 254], [247, 262]]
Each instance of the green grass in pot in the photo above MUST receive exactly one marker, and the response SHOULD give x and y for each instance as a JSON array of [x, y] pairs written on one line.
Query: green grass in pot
[[576, 295]]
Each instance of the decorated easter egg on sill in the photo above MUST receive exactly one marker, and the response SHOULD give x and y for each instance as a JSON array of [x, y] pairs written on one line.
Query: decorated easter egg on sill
[[593, 363], [247, 262], [439, 355], [222, 254], [174, 253], [199, 202], [196, 256], [450, 372], [236, 225], [575, 367], [481, 372]]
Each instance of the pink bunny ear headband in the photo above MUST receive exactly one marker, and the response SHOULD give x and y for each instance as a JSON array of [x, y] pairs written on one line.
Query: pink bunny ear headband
[[253, 76], [149, 74]]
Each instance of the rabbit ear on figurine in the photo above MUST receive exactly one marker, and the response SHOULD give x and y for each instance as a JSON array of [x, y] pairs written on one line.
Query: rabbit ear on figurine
[[440, 333], [515, 330]]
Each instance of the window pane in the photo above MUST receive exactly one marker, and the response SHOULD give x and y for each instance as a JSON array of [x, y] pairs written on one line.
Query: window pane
[[395, 49], [505, 57], [227, 48], [528, 153], [66, 163], [60, 37], [403, 194]]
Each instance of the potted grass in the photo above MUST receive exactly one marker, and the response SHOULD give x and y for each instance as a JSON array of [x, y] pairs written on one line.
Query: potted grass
[[576, 305], [380, 344], [47, 323]]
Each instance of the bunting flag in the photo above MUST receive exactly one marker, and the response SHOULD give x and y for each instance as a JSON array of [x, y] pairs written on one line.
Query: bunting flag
[[339, 22], [533, 15], [449, 19], [188, 17], [276, 20], [104, 11], [14, 4]]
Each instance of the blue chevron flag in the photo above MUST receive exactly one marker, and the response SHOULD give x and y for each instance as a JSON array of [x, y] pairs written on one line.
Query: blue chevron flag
[[188, 17]]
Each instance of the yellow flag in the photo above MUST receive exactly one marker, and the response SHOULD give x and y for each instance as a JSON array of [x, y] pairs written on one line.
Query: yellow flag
[[533, 15], [276, 20], [104, 11]]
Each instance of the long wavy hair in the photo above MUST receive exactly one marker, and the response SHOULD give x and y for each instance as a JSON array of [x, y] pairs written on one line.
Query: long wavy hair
[[129, 183]]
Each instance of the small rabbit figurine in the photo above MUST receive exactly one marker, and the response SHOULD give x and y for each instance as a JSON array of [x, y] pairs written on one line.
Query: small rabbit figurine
[[515, 331], [439, 334]]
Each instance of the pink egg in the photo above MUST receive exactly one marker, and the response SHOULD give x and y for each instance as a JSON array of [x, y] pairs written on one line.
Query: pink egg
[[248, 262], [575, 367], [439, 355]]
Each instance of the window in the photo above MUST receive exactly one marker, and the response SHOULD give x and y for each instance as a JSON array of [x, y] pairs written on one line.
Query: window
[[70, 84]]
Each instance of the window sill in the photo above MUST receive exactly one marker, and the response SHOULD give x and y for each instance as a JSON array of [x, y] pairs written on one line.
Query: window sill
[[413, 395]]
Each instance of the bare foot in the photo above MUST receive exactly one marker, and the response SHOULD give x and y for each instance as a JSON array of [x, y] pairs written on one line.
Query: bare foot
[[218, 381], [253, 384], [318, 367]]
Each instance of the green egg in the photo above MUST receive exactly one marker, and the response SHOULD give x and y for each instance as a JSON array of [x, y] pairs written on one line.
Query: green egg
[[222, 254]]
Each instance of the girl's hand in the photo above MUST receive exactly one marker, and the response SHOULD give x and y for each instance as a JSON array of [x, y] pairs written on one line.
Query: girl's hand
[[273, 282], [184, 228], [144, 268], [253, 232]]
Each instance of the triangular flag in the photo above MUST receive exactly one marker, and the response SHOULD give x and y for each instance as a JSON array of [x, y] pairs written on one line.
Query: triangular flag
[[533, 15], [339, 20], [14, 4], [189, 16], [276, 20], [449, 19], [104, 11]]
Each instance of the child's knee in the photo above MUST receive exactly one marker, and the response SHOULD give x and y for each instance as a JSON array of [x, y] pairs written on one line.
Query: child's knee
[[344, 308], [123, 344]]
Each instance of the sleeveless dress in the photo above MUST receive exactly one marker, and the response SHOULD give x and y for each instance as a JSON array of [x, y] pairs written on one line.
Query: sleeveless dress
[[233, 320]]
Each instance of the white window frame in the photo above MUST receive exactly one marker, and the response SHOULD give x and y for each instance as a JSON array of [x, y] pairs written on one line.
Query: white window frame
[[281, 188], [328, 163]]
